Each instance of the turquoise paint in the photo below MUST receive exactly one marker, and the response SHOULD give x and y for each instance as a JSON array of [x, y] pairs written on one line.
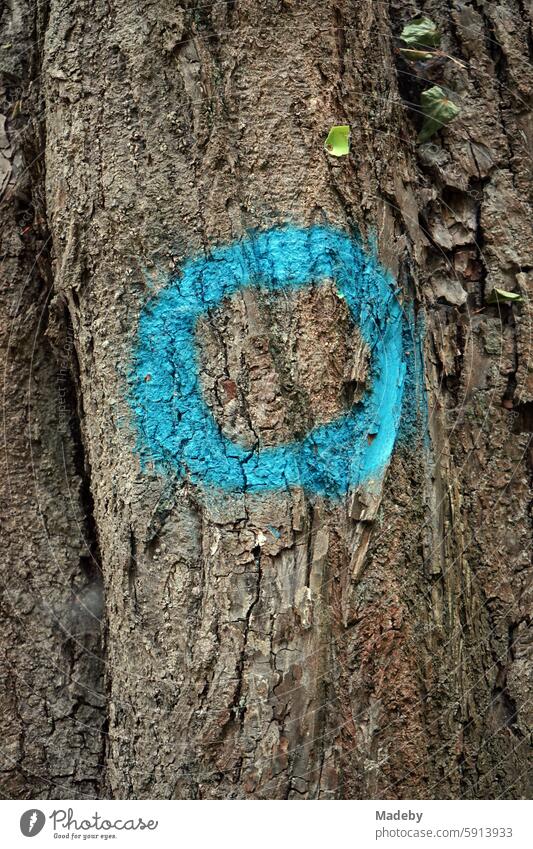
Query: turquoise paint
[[176, 430]]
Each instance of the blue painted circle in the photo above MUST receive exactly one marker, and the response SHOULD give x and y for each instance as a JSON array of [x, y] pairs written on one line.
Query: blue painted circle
[[176, 429]]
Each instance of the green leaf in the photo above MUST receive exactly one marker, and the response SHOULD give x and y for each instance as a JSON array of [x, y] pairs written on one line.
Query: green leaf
[[338, 141], [421, 32], [415, 55], [498, 295], [438, 110]]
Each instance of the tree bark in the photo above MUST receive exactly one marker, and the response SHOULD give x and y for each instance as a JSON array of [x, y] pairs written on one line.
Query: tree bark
[[164, 641]]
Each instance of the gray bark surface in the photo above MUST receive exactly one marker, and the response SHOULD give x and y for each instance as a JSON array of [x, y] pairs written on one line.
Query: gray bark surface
[[160, 644]]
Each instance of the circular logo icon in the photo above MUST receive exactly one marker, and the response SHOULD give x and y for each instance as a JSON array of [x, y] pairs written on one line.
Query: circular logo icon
[[176, 429], [32, 822]]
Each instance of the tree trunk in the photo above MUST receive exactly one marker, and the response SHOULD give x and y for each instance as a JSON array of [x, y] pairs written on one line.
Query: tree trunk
[[164, 638]]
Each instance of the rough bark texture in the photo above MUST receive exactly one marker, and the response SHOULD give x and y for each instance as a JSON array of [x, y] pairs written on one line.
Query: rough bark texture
[[159, 643]]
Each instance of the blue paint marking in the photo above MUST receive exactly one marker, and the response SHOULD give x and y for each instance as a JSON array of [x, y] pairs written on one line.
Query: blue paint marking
[[176, 429]]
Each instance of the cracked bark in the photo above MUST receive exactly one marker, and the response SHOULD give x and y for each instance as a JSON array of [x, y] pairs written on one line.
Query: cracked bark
[[51, 693], [280, 646]]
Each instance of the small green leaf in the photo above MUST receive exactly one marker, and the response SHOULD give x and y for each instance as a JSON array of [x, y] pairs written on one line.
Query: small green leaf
[[438, 110], [498, 295], [338, 141], [415, 55], [421, 32]]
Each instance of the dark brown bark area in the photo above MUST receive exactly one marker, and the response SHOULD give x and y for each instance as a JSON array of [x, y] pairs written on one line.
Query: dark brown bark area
[[360, 650], [51, 694]]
